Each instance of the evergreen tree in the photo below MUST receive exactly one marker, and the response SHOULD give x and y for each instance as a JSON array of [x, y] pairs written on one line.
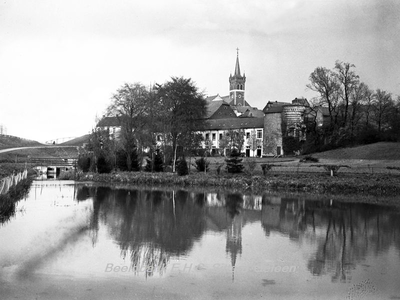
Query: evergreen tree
[[158, 162], [234, 162], [182, 167], [121, 160]]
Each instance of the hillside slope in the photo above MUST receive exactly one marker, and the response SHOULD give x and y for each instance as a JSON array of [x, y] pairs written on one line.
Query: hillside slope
[[79, 141], [377, 151], [9, 141]]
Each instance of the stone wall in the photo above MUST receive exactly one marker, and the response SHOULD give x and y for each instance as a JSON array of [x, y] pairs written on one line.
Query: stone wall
[[273, 134]]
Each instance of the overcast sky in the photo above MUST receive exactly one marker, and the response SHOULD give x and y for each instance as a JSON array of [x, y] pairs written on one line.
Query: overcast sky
[[60, 61]]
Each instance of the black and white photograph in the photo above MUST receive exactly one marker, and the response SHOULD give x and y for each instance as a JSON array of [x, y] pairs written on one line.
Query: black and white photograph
[[203, 149]]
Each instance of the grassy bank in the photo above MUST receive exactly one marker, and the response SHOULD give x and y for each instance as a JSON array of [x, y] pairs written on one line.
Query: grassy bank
[[7, 169], [368, 184]]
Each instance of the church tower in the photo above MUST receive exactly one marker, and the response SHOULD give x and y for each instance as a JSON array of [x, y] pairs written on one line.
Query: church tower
[[237, 85]]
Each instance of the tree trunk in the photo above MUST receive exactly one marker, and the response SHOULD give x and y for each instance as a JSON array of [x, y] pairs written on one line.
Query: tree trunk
[[175, 146]]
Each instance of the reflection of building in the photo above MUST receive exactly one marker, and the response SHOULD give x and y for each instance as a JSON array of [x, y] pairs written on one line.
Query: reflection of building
[[234, 240], [283, 215]]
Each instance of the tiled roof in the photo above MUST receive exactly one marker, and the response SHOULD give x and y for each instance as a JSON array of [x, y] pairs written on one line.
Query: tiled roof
[[234, 123], [248, 111], [274, 110], [271, 104], [213, 106]]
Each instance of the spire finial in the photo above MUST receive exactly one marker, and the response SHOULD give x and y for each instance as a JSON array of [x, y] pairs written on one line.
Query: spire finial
[[237, 67]]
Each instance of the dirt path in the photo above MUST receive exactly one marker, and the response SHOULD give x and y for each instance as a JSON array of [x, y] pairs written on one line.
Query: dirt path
[[33, 147]]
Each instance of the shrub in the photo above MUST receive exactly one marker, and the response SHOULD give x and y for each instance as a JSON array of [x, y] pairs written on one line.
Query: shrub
[[309, 158], [67, 175], [103, 166], [265, 168], [234, 163], [122, 160], [84, 162], [219, 168], [158, 162], [182, 167], [201, 164], [251, 165], [291, 144]]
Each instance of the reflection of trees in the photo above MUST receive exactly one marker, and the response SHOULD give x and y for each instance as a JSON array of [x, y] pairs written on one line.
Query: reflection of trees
[[345, 233], [351, 232], [8, 202], [149, 226]]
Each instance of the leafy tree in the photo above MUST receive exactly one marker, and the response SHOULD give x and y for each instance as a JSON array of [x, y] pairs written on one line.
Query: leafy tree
[[101, 145], [183, 109], [234, 163], [224, 143], [208, 146], [130, 107]]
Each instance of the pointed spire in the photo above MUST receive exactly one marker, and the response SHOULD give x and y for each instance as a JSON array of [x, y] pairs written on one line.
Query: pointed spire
[[237, 67]]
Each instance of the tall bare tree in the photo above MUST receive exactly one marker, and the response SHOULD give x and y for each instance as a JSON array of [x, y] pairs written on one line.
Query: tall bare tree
[[348, 81], [324, 82], [383, 102]]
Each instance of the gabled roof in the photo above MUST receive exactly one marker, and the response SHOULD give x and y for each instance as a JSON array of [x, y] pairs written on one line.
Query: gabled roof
[[234, 123], [213, 106], [248, 111], [300, 101], [274, 107]]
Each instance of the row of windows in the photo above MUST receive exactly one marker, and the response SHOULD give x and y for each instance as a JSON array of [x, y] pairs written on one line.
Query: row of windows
[[248, 135]]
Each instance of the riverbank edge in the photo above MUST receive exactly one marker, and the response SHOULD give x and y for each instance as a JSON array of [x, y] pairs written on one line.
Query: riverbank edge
[[343, 184], [15, 194]]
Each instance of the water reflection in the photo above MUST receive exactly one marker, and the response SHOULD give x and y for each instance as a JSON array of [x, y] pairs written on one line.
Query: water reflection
[[237, 245], [151, 226], [345, 233]]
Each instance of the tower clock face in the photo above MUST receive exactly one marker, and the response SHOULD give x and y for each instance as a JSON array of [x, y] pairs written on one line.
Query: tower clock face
[[239, 95]]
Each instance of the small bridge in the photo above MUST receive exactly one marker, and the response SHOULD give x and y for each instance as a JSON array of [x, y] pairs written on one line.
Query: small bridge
[[52, 166]]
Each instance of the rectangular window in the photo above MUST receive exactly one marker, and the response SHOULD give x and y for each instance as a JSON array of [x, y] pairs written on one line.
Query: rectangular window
[[247, 135], [207, 136], [259, 134], [214, 136], [220, 136]]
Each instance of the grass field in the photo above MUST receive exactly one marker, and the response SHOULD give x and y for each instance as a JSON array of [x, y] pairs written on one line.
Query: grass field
[[8, 141], [79, 141], [374, 158]]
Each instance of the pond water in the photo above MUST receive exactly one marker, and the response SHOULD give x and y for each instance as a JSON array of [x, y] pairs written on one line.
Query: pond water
[[80, 241]]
